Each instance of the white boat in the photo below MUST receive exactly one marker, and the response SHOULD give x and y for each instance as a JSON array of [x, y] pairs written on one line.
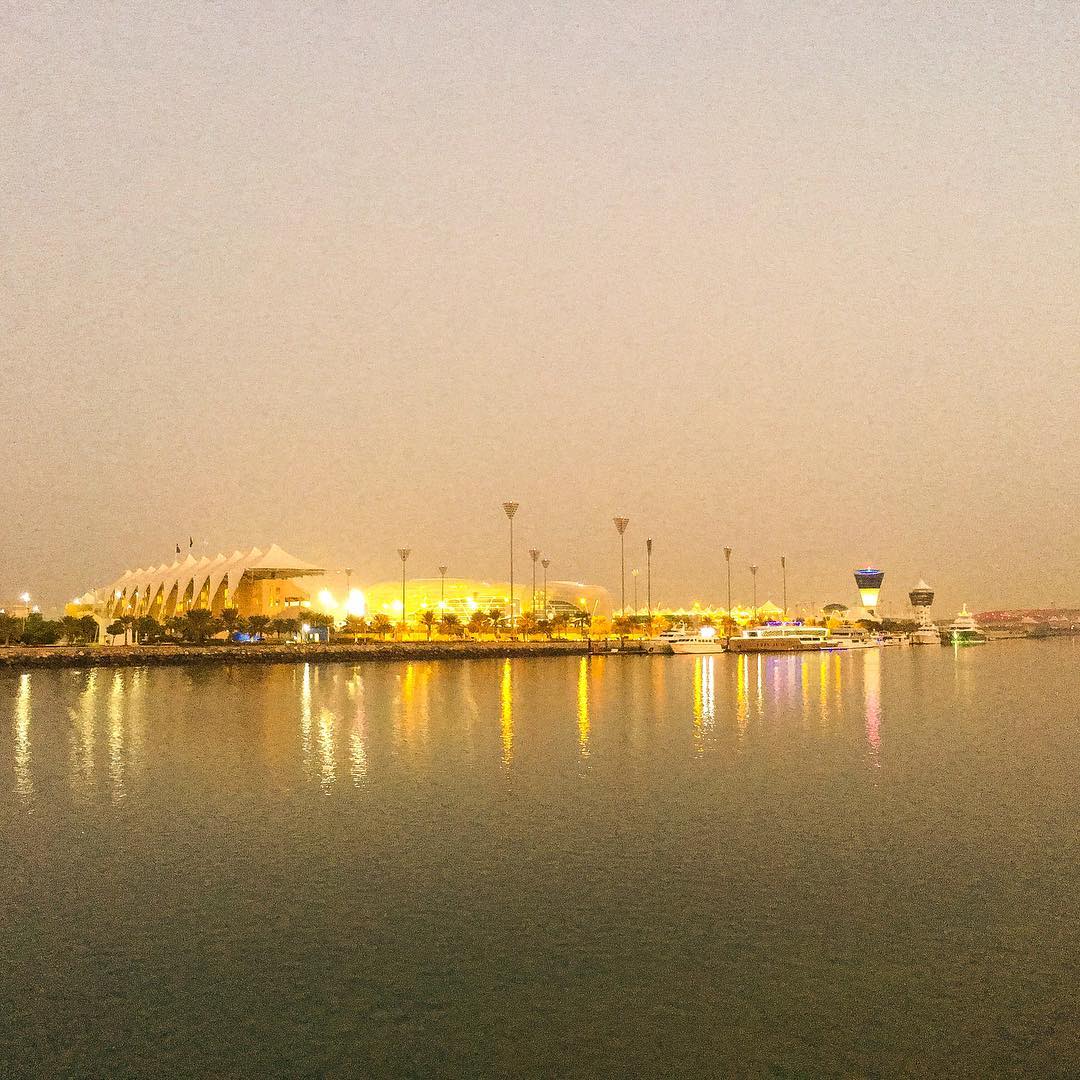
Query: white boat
[[963, 630], [926, 634], [782, 638], [846, 637], [696, 642]]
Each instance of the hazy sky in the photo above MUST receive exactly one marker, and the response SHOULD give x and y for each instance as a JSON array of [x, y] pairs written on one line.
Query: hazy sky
[[795, 277]]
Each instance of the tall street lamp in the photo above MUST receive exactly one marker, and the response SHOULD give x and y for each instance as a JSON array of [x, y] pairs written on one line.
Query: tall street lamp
[[634, 574], [648, 575], [442, 588], [783, 571], [545, 563], [753, 571], [511, 508], [620, 525], [534, 554], [727, 559], [404, 553]]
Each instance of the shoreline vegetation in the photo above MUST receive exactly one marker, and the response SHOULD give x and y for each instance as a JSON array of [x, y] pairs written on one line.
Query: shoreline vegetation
[[78, 656]]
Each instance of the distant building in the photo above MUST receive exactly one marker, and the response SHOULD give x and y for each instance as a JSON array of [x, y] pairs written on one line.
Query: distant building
[[463, 596], [869, 582]]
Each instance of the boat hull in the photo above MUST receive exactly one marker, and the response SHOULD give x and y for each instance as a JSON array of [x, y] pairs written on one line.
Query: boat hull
[[696, 648], [771, 645]]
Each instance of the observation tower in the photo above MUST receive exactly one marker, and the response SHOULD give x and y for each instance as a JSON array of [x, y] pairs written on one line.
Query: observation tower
[[869, 582], [922, 599]]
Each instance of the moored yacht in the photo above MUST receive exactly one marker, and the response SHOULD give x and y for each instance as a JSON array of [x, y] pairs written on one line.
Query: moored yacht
[[926, 634], [682, 640], [782, 638], [847, 637], [963, 630]]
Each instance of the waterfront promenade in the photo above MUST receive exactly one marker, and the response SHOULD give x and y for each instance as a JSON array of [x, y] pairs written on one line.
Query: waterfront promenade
[[64, 656]]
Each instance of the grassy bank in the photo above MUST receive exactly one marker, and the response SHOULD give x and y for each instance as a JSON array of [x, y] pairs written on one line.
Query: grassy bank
[[65, 656]]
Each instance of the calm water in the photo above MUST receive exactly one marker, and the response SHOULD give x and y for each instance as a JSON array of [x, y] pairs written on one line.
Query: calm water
[[836, 865]]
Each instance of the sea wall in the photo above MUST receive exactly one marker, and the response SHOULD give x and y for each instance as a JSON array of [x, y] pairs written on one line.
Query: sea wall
[[18, 657]]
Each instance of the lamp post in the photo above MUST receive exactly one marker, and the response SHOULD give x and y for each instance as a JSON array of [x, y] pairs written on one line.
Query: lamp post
[[727, 559], [511, 508], [404, 553], [545, 563], [620, 525], [753, 571], [534, 554], [648, 575], [442, 588], [783, 571], [634, 574]]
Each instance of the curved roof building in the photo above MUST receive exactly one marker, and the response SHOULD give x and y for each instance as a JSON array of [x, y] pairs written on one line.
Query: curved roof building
[[254, 582]]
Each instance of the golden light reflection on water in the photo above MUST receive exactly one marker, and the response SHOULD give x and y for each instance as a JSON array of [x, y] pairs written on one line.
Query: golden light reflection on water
[[116, 735], [305, 717], [742, 706], [704, 699], [24, 783], [357, 732], [583, 707], [872, 700], [84, 733], [506, 699], [325, 741]]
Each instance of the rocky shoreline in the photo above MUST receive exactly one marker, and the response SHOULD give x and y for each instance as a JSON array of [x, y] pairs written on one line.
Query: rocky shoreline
[[19, 657]]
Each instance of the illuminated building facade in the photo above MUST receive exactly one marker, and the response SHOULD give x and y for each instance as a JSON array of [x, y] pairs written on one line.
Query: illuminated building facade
[[463, 596], [254, 582]]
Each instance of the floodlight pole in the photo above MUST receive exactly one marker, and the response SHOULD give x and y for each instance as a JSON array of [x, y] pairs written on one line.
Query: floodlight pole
[[510, 509], [620, 525]]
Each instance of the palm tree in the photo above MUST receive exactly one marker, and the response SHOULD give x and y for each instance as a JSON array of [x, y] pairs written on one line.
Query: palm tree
[[478, 622], [9, 627], [527, 624], [258, 625], [355, 625], [560, 622], [450, 625], [200, 625], [230, 619], [495, 615], [427, 620], [622, 625], [382, 625]]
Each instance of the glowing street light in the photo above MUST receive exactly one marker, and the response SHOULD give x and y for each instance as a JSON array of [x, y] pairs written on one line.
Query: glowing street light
[[727, 559], [545, 563], [442, 586], [648, 575], [510, 509], [620, 525], [534, 554], [404, 553], [634, 574]]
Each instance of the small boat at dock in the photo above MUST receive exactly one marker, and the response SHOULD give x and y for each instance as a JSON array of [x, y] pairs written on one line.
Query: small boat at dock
[[782, 638]]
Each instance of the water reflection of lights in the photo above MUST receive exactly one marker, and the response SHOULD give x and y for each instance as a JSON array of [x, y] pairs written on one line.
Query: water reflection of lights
[[506, 725], [327, 771], [357, 752], [305, 717], [24, 783], [116, 735], [704, 698], [872, 695], [583, 707], [83, 735], [742, 706]]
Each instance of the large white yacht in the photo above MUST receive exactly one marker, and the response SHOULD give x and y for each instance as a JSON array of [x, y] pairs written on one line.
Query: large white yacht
[[925, 634], [783, 638], [697, 642], [963, 630], [848, 637]]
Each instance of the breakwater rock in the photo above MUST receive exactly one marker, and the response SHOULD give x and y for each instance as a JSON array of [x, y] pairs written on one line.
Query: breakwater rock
[[66, 656]]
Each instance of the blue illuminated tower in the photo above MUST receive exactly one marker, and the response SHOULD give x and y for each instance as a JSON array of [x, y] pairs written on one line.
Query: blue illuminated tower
[[869, 582]]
